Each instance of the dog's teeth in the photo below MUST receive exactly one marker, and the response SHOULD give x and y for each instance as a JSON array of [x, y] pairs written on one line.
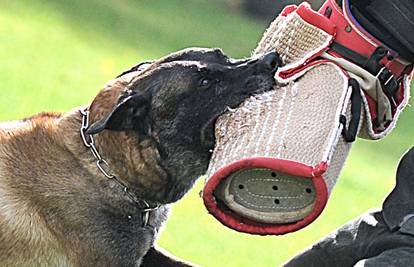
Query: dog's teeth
[[231, 109]]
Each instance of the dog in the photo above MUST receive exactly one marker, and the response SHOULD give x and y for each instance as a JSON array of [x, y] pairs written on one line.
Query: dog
[[92, 187]]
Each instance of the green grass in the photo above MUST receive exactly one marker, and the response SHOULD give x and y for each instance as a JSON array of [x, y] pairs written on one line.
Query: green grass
[[55, 55]]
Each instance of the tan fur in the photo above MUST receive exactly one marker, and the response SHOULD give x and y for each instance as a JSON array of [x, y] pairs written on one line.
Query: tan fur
[[49, 146], [24, 233], [58, 209]]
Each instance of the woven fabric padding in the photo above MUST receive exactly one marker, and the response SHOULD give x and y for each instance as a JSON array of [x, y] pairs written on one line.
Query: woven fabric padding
[[338, 158], [295, 126], [298, 122], [293, 39]]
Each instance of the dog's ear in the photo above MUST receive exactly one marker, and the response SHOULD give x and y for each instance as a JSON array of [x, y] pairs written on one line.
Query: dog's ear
[[137, 67], [128, 114]]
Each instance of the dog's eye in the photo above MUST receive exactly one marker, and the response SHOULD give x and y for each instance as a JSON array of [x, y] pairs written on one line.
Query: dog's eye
[[205, 82]]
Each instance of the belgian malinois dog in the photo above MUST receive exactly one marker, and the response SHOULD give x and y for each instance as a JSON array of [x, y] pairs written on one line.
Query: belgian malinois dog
[[92, 187]]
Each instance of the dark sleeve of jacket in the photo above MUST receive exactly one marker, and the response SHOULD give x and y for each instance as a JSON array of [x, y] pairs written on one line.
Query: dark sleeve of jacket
[[378, 238]]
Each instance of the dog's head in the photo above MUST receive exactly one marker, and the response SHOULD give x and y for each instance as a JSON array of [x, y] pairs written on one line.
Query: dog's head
[[175, 101]]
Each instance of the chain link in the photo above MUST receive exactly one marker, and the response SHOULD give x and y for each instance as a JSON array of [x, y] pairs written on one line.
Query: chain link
[[105, 169], [89, 142]]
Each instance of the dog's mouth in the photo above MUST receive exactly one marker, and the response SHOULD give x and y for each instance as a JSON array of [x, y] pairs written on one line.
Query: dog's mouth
[[170, 193], [179, 189], [253, 86], [208, 134], [176, 188]]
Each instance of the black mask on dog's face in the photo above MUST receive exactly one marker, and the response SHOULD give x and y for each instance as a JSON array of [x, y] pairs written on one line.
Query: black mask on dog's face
[[177, 100], [200, 87]]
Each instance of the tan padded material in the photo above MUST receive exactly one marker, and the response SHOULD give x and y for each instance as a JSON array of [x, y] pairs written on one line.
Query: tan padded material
[[293, 38], [297, 121], [285, 123]]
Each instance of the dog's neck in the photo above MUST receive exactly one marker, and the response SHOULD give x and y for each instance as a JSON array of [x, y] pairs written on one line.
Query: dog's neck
[[134, 163]]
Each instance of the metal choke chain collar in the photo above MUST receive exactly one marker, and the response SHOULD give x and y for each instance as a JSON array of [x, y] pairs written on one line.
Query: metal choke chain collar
[[104, 168]]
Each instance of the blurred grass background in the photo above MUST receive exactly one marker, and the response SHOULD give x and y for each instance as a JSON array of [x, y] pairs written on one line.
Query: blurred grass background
[[56, 54]]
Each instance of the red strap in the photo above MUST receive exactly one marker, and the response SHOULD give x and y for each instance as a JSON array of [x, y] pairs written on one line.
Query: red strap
[[354, 37]]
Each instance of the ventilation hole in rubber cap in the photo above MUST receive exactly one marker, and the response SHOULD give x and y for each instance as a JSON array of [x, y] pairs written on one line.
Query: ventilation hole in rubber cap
[[241, 186], [275, 187], [273, 174], [308, 190], [277, 201]]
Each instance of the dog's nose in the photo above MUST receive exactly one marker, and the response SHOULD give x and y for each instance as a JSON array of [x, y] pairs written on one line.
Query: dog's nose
[[269, 61]]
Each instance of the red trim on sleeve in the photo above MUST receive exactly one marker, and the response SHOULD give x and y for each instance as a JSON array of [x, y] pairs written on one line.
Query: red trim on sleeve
[[234, 221], [306, 12], [288, 9]]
